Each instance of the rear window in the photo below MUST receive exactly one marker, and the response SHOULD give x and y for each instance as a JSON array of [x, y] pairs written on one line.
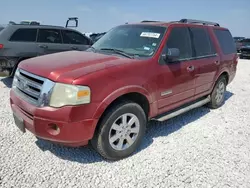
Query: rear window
[[24, 35], [202, 43], [226, 41]]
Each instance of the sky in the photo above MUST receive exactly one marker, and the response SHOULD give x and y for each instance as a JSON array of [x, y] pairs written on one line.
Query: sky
[[102, 15]]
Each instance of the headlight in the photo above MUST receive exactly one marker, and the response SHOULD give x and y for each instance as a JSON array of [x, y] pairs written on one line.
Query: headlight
[[64, 94]]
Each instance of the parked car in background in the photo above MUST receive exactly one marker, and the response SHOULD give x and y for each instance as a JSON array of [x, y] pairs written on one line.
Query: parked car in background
[[24, 41], [134, 73], [245, 48], [96, 36], [238, 44], [1, 28]]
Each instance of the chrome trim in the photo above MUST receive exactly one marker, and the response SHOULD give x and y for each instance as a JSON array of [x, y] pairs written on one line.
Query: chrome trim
[[32, 75], [185, 109], [46, 92], [36, 92], [168, 92]]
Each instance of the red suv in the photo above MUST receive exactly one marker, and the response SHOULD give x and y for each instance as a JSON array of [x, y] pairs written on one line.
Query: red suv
[[134, 73]]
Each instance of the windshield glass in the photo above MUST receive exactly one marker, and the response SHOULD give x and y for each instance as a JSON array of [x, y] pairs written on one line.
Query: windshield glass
[[140, 40]]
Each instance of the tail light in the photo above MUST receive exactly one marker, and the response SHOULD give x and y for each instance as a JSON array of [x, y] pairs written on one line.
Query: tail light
[[1, 46]]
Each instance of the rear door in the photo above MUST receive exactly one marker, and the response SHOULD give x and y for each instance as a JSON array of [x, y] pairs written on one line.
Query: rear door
[[205, 59], [75, 41], [49, 41], [227, 50], [22, 43]]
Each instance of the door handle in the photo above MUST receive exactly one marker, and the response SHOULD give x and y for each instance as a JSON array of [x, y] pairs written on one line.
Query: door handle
[[217, 62], [190, 68], [43, 46]]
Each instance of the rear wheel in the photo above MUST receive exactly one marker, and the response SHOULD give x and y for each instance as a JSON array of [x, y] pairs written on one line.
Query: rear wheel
[[120, 131], [218, 93]]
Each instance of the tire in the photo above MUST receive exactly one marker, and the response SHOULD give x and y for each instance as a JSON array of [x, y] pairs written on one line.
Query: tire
[[218, 93], [111, 141]]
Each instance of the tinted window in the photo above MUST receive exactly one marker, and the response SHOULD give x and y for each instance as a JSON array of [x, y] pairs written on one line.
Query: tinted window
[[71, 37], [203, 45], [180, 38], [49, 36], [226, 41], [24, 35]]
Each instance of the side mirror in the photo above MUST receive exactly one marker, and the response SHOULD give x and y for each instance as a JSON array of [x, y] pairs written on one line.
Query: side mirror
[[171, 55]]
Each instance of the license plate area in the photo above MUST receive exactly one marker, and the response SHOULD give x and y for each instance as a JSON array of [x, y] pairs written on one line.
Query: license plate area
[[19, 123]]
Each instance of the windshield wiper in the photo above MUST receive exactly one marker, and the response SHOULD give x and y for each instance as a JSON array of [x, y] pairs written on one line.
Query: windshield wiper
[[118, 52]]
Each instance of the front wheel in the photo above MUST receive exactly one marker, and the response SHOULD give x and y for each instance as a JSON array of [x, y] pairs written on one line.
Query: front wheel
[[218, 93], [120, 131]]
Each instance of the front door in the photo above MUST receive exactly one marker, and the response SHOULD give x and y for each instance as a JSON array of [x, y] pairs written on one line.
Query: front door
[[176, 80]]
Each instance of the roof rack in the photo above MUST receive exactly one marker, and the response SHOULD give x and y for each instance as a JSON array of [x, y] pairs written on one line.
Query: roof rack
[[145, 21], [199, 22], [24, 23]]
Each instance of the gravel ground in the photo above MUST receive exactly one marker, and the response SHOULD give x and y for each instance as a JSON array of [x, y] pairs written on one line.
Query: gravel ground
[[202, 148]]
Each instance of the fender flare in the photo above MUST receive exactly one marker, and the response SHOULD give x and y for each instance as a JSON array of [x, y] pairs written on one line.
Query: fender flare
[[118, 93], [218, 76]]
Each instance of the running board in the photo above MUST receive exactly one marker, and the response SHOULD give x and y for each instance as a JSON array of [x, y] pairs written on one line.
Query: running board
[[184, 109]]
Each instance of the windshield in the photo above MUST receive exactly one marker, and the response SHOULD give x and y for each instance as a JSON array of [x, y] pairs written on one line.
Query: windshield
[[140, 40]]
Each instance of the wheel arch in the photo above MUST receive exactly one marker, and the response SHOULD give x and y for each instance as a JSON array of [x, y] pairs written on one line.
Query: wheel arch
[[224, 73], [136, 94], [17, 63]]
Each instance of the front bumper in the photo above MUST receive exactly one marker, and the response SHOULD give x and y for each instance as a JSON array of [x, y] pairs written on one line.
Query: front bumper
[[41, 122]]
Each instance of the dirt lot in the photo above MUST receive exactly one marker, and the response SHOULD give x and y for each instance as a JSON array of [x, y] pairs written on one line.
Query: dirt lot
[[203, 148]]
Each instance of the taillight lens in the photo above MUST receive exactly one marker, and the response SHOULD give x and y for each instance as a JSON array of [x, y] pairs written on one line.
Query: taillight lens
[[1, 46]]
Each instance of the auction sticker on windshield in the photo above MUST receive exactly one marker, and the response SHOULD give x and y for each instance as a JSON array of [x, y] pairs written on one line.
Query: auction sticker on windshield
[[150, 35]]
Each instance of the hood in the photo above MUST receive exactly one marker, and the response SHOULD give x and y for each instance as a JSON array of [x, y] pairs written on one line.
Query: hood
[[67, 66]]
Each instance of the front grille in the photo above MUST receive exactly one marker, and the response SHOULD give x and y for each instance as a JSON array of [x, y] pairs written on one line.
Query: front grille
[[32, 88], [29, 85]]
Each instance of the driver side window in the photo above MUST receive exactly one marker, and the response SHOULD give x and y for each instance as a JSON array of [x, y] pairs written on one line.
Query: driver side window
[[179, 38]]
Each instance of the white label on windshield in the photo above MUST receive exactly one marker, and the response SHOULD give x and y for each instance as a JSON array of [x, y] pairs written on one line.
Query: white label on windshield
[[150, 35]]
